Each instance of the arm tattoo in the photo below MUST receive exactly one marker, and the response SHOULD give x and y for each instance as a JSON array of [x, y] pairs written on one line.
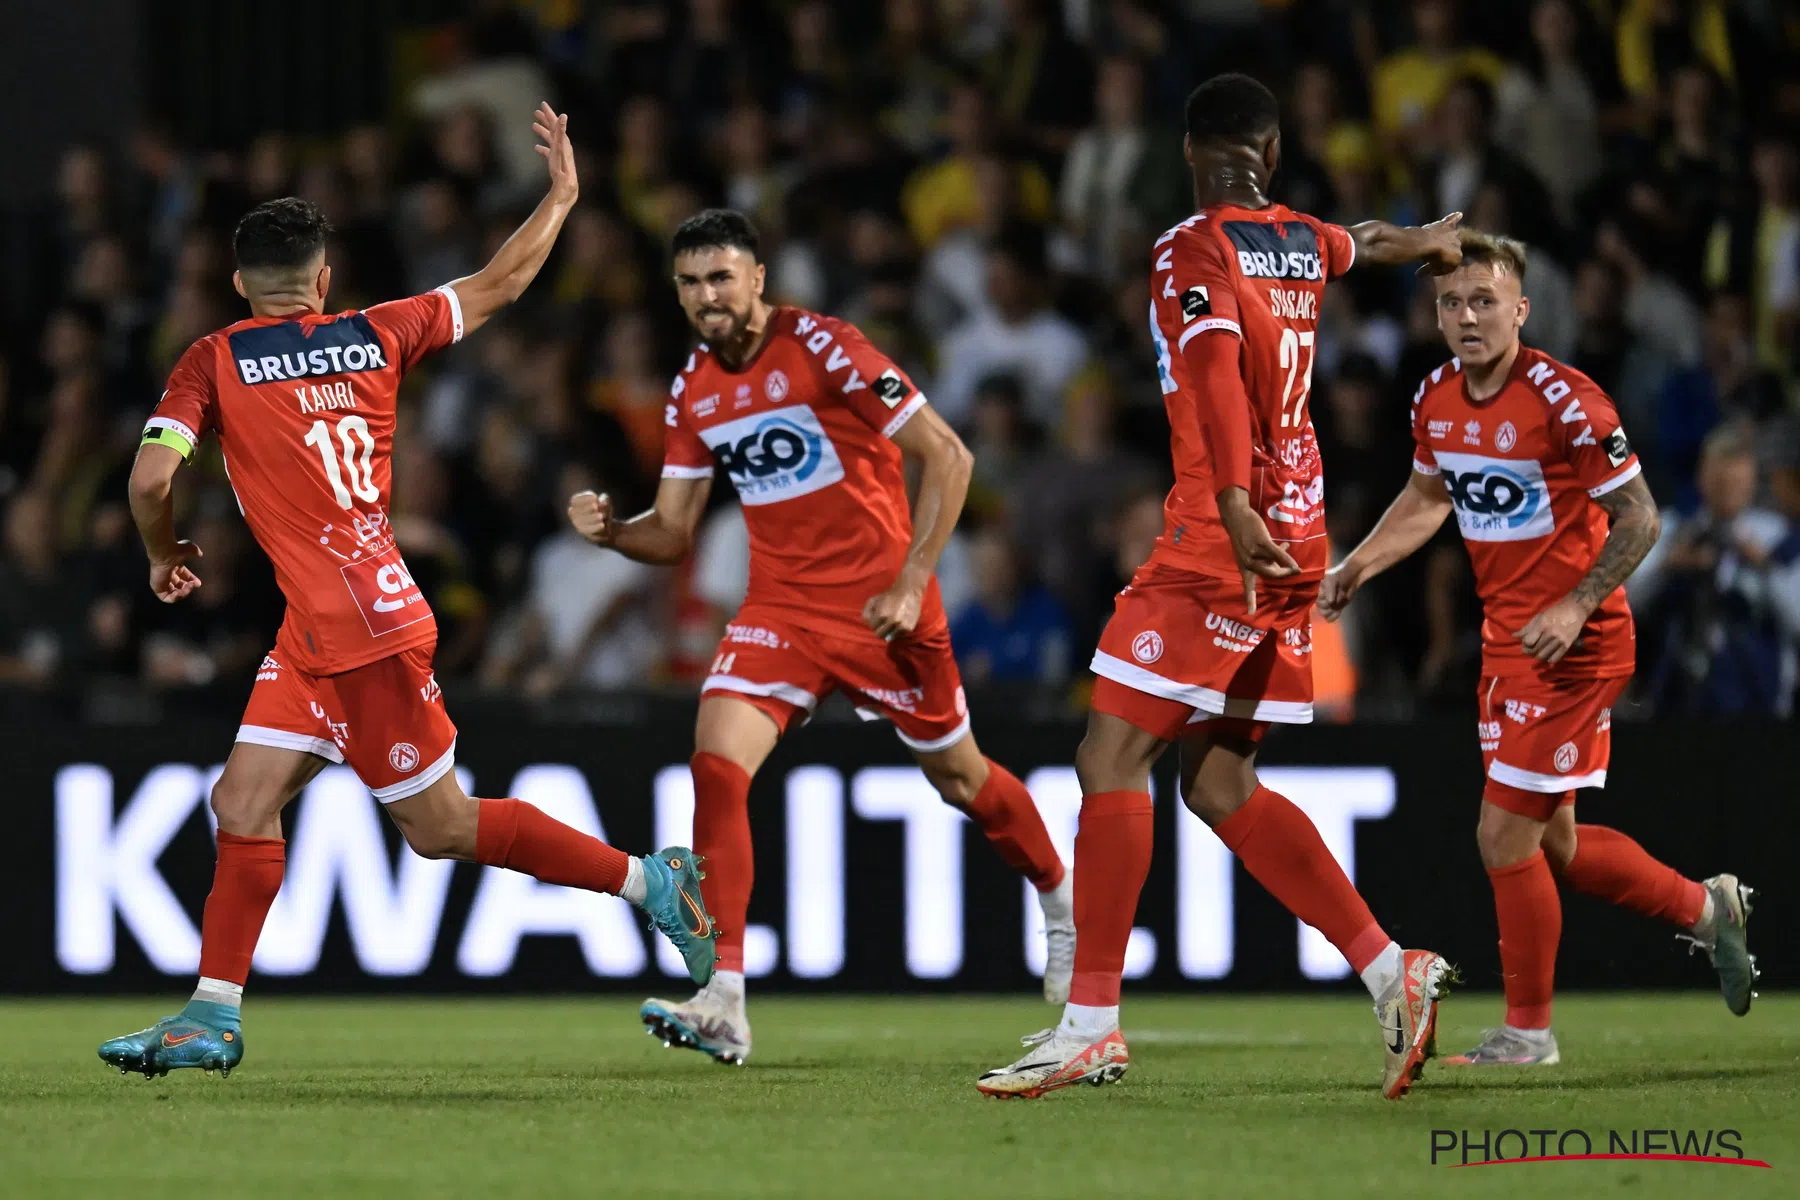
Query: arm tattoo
[[1635, 528]]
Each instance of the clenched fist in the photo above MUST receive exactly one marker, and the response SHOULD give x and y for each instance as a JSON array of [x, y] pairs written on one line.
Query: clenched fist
[[592, 517]]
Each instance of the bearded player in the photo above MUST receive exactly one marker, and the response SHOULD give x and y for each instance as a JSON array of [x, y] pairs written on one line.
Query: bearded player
[[812, 424], [1553, 506], [1195, 654], [303, 407]]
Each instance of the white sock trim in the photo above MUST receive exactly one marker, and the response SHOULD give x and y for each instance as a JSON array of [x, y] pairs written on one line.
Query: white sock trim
[[635, 888], [1383, 975], [1089, 1020], [1535, 1036], [727, 985], [1708, 913], [219, 991]]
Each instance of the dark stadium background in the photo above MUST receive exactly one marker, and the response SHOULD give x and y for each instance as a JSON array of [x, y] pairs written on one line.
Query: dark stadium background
[[976, 185]]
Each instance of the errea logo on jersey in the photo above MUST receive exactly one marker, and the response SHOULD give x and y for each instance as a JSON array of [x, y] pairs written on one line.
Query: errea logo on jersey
[[776, 455], [1497, 499]]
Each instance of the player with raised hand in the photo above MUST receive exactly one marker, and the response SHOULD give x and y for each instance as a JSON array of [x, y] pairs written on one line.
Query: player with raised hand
[[1212, 640], [1553, 507], [303, 405], [812, 423]]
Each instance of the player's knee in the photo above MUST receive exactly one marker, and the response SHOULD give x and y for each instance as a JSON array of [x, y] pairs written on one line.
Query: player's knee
[[1219, 784], [238, 807], [1099, 764], [1213, 797], [1559, 844], [432, 839], [1505, 838], [957, 786]]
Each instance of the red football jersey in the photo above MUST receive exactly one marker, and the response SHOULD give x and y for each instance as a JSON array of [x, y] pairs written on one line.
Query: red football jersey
[[304, 411], [803, 433], [1260, 274], [1522, 468]]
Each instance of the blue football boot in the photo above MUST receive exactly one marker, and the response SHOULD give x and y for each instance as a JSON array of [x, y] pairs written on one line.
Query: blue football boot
[[672, 898], [204, 1035]]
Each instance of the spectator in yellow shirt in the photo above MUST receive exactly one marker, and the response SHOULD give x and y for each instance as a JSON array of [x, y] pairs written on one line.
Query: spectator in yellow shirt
[[1409, 83], [944, 196], [1651, 30]]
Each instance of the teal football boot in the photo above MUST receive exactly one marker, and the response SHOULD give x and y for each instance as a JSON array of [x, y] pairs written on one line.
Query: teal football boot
[[672, 898], [204, 1035]]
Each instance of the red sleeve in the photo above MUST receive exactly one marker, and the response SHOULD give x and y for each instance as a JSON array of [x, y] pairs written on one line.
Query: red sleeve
[[1584, 427], [1223, 407], [186, 412], [1196, 286], [685, 456], [1338, 246], [1196, 294], [1424, 460], [420, 324], [852, 371]]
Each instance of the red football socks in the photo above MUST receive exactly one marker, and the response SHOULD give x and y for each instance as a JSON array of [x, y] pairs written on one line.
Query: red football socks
[[1112, 859], [722, 838], [522, 837], [1530, 914], [1015, 829], [1608, 864], [1281, 848], [245, 881]]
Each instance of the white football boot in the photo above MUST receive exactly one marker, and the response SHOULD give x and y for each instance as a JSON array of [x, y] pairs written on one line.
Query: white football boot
[[1059, 938], [1507, 1047], [712, 1022], [1408, 1016], [1058, 1060]]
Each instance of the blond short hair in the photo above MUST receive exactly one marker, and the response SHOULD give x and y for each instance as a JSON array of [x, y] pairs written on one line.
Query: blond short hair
[[1495, 251]]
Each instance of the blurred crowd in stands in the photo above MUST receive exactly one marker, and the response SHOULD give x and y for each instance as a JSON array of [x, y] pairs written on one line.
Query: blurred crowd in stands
[[976, 183]]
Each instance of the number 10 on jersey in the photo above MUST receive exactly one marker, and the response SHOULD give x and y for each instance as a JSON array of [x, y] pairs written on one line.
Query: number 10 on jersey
[[359, 454]]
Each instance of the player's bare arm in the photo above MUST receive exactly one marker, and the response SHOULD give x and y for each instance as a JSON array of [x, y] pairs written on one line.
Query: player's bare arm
[[152, 480], [661, 536], [1635, 526], [1409, 522], [945, 466], [518, 261], [1381, 244]]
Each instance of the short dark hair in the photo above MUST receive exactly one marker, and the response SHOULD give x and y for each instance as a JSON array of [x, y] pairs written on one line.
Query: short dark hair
[[723, 227], [1234, 109], [282, 234]]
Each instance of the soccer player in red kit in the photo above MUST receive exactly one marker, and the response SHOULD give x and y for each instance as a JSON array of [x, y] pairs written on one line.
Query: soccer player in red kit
[[811, 424], [1553, 507], [1195, 653], [303, 405]]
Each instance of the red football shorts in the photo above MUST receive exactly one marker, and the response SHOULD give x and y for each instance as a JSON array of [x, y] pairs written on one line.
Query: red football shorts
[[1182, 648], [385, 718], [1547, 736], [769, 657]]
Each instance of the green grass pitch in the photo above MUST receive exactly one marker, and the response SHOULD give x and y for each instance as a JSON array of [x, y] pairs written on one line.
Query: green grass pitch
[[1239, 1097]]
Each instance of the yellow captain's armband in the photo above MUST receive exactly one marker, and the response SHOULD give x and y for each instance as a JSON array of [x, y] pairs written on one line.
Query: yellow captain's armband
[[166, 431]]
